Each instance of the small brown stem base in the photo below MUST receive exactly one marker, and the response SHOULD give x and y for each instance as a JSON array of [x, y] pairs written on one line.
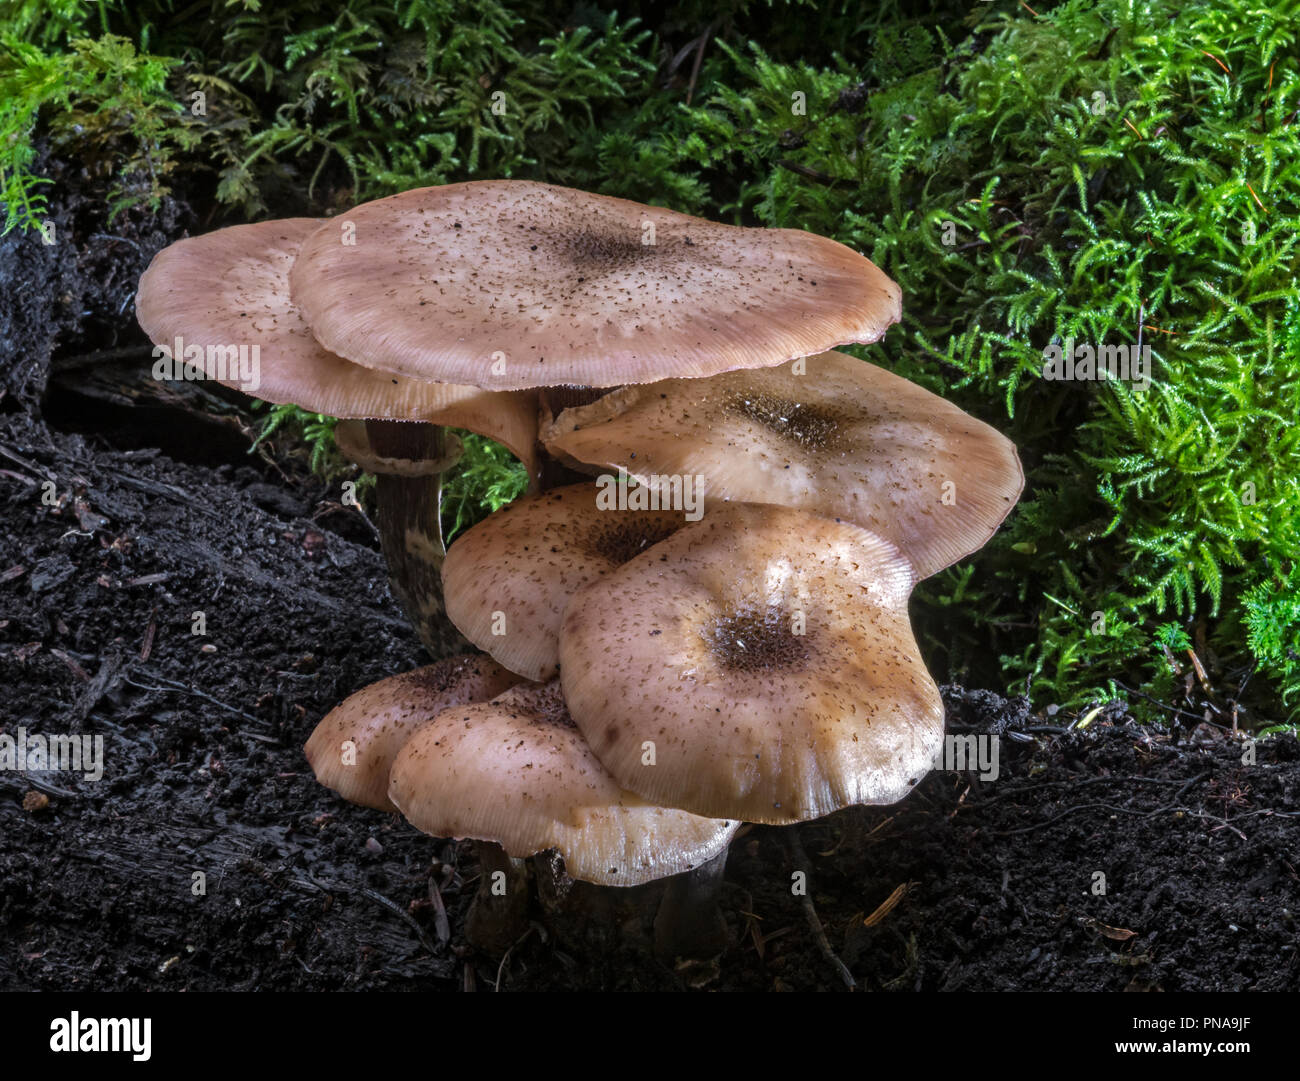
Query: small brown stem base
[[689, 923], [498, 915]]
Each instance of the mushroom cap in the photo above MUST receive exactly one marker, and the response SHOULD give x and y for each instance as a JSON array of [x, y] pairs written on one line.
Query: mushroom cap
[[507, 580], [380, 718], [845, 439], [517, 771], [509, 284], [231, 287], [687, 672]]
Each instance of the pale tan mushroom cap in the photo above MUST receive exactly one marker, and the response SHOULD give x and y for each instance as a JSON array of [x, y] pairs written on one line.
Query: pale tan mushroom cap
[[353, 747], [506, 581], [509, 284], [230, 288], [695, 648], [845, 439], [518, 772]]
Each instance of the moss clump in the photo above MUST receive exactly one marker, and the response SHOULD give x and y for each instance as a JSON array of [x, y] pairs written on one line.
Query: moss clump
[[100, 101]]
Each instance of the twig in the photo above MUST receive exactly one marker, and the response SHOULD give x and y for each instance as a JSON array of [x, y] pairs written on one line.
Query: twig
[[1171, 709], [47, 788], [87, 360], [117, 239], [887, 905], [1114, 809], [804, 170], [31, 467], [73, 666], [441, 925], [180, 688], [1194, 781], [800, 860], [1072, 783], [506, 957], [699, 57]]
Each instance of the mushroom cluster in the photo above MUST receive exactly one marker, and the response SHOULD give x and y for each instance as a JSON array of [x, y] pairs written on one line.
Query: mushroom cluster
[[697, 616]]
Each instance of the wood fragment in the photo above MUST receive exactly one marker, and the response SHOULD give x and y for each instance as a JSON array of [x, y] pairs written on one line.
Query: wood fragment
[[887, 905]]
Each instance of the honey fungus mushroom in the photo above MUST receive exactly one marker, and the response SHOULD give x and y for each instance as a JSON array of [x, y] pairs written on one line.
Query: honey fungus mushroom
[[828, 434], [507, 580], [507, 284], [484, 303], [517, 776], [211, 296], [517, 771], [765, 658], [353, 747]]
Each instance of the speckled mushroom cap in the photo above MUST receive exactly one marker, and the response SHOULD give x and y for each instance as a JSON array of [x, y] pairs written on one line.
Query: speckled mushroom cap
[[759, 665], [517, 771], [353, 747], [230, 288], [507, 284], [828, 434], [506, 581]]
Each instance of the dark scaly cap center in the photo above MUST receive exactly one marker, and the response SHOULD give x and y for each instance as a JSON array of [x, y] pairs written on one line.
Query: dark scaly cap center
[[757, 641], [813, 427]]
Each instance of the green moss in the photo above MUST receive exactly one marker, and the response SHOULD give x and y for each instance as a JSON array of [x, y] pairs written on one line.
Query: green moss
[[486, 478], [100, 99], [1272, 621], [1106, 181], [315, 431]]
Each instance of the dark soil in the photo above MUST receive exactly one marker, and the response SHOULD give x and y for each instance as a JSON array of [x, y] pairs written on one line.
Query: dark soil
[[205, 773], [99, 586], [71, 287]]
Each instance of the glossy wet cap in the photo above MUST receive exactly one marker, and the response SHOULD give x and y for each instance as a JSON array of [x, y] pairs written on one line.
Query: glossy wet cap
[[830, 434], [507, 580], [229, 290]]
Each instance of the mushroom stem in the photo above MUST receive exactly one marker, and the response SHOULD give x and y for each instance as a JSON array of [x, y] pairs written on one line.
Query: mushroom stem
[[553, 401], [555, 474], [410, 526], [689, 923], [498, 915]]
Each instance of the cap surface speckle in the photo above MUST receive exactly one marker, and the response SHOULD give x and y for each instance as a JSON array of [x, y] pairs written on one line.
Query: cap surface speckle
[[517, 771]]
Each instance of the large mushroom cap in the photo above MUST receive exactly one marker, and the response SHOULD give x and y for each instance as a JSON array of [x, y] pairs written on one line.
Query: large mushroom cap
[[759, 665], [353, 747], [844, 439], [517, 771], [507, 580], [230, 288], [509, 284]]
